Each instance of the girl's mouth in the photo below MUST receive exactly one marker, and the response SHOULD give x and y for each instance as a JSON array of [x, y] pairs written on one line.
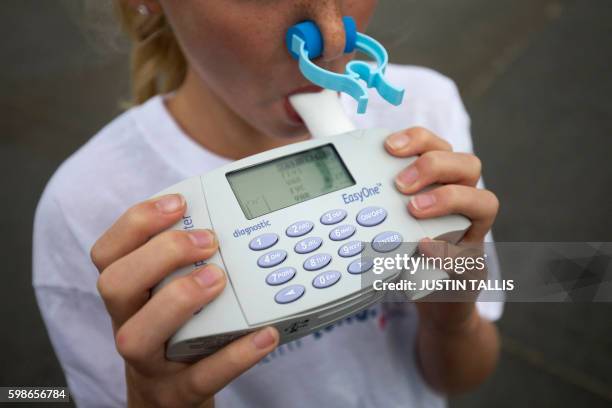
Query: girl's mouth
[[293, 116]]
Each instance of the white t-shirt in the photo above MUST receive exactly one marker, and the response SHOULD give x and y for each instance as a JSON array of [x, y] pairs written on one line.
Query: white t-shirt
[[363, 361]]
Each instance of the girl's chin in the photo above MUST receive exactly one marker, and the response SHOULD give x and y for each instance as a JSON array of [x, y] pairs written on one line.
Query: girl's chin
[[292, 131]]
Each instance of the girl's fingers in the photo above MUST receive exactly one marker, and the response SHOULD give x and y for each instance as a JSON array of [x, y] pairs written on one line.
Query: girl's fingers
[[125, 284], [439, 167], [210, 375], [135, 227], [414, 141], [480, 206], [143, 335]]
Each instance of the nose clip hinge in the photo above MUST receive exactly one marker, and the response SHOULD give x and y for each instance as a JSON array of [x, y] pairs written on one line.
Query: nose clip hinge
[[305, 43]]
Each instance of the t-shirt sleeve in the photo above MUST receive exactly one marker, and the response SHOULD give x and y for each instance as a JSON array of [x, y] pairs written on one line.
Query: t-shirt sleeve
[[74, 314]]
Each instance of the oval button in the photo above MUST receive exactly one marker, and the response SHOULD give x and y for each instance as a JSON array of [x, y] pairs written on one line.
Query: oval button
[[371, 216], [316, 262], [280, 276], [299, 228], [350, 249], [360, 266], [386, 241], [289, 294], [333, 217], [326, 279], [308, 245], [342, 232], [263, 241], [272, 258]]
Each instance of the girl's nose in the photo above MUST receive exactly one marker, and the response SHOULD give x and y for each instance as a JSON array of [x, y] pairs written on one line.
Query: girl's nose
[[327, 14]]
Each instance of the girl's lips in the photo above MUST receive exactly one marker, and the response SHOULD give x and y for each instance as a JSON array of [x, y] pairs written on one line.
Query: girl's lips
[[293, 116]]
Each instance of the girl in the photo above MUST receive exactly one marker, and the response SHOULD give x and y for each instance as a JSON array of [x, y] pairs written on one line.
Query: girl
[[211, 81]]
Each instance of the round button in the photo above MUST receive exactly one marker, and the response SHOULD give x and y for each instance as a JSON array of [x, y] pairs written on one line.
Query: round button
[[359, 266], [316, 262], [333, 217], [326, 279], [299, 228], [386, 241], [280, 276], [342, 232], [371, 216], [308, 245], [272, 258], [289, 294], [263, 241], [350, 249]]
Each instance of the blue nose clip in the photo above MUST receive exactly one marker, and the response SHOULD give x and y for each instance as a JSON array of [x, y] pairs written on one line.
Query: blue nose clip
[[305, 43]]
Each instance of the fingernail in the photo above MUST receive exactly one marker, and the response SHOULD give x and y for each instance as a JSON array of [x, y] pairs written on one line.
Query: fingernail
[[264, 338], [208, 277], [407, 177], [170, 203], [423, 201], [202, 239], [398, 141]]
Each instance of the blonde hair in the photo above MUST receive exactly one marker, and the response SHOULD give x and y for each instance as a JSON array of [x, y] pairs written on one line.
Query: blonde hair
[[157, 61]]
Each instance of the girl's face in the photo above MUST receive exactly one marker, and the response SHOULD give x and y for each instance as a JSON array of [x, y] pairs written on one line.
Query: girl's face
[[237, 48]]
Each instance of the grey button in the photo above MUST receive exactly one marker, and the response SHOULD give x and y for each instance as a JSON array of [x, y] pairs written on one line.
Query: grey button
[[371, 216], [386, 241], [326, 279], [350, 249], [263, 241], [299, 228], [308, 245], [333, 217], [272, 258], [289, 294], [280, 276], [360, 266], [316, 262], [342, 232]]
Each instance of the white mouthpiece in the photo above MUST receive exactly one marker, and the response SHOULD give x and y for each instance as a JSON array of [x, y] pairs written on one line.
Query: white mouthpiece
[[322, 113]]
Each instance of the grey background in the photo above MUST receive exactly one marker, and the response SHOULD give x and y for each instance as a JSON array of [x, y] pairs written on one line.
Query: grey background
[[535, 76]]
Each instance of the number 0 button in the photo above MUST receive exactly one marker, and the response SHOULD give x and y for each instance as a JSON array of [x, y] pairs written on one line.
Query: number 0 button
[[272, 258], [326, 279]]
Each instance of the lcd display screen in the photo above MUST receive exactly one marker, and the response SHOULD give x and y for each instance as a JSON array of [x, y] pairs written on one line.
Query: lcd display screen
[[289, 180]]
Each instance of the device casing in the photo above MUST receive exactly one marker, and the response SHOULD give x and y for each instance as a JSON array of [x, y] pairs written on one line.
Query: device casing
[[247, 302]]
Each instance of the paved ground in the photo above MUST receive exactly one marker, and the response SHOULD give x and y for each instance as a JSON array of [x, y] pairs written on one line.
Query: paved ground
[[535, 76]]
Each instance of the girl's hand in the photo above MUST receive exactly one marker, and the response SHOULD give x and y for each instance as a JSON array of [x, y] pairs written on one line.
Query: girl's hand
[[457, 174], [449, 334], [132, 257]]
